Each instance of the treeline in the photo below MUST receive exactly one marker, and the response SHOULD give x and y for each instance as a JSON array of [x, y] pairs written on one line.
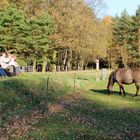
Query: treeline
[[125, 47], [66, 35]]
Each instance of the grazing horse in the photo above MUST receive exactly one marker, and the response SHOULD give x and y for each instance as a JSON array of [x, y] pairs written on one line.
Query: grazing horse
[[124, 76]]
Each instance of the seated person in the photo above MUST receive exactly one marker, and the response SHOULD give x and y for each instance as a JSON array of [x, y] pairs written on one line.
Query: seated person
[[4, 61], [15, 64], [13, 61], [7, 63]]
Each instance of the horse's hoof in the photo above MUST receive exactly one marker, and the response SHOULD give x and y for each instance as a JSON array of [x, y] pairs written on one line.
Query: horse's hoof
[[134, 95]]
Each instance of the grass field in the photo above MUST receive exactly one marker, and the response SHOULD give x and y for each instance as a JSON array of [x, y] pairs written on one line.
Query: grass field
[[66, 106]]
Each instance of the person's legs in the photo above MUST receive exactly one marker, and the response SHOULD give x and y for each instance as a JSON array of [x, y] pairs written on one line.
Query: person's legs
[[10, 70], [2, 72]]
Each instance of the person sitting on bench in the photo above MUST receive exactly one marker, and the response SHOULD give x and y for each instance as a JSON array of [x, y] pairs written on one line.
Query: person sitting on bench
[[15, 64], [5, 64]]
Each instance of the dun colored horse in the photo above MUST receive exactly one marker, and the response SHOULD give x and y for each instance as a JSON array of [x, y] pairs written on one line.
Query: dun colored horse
[[124, 76]]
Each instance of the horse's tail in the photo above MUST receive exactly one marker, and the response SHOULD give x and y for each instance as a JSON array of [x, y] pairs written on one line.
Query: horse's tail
[[111, 77]]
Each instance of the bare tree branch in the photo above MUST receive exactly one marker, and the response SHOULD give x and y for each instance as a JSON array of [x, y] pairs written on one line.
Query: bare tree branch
[[98, 6]]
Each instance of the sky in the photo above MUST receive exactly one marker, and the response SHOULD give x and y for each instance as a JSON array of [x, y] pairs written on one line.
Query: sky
[[117, 6]]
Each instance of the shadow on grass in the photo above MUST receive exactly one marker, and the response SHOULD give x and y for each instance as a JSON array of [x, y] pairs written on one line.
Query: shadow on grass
[[105, 92], [101, 91]]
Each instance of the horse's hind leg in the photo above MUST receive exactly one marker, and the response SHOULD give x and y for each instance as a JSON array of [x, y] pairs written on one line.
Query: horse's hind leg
[[137, 88]]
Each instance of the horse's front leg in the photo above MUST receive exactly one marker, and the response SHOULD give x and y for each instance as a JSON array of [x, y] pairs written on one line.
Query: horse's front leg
[[121, 88], [137, 88], [120, 93], [123, 91]]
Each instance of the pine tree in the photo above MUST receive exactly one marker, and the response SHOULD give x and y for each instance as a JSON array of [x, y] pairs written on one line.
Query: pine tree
[[124, 38], [136, 42], [28, 38], [37, 43], [13, 28]]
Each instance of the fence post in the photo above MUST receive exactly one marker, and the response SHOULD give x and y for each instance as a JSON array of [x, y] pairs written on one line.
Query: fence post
[[97, 64], [47, 84], [104, 73], [74, 88], [97, 76]]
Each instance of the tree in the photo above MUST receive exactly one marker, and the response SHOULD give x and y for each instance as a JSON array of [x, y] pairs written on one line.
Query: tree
[[126, 39], [37, 42], [31, 7], [12, 28], [28, 38], [98, 6], [108, 28], [4, 4], [79, 38], [123, 36], [136, 42]]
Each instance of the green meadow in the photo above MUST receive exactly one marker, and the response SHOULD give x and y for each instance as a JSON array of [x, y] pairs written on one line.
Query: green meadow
[[66, 106]]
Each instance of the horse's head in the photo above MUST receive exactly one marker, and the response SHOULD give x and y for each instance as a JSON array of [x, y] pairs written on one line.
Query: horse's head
[[111, 82]]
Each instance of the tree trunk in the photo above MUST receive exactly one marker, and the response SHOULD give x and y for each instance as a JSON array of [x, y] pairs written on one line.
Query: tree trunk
[[53, 65], [34, 65], [109, 60], [64, 59], [82, 64], [44, 64], [69, 59], [139, 47], [86, 63], [124, 57]]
